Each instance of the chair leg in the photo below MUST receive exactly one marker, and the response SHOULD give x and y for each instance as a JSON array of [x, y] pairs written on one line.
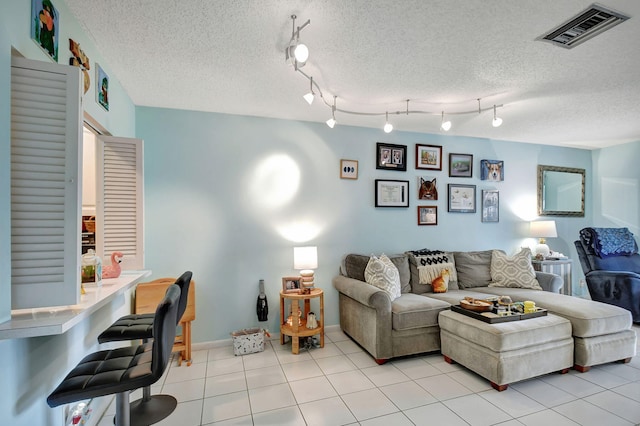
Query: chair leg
[[122, 409]]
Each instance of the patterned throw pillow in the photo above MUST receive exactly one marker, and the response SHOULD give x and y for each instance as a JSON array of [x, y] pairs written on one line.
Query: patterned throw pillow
[[382, 273], [513, 271], [431, 263]]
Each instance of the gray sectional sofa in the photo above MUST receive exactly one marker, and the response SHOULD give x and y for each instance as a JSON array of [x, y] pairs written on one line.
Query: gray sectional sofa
[[409, 324]]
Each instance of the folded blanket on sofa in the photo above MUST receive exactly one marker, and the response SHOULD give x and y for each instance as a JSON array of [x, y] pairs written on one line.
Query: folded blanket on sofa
[[608, 242]]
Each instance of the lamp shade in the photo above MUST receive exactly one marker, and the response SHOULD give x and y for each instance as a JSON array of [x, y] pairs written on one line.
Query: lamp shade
[[305, 257], [543, 229]]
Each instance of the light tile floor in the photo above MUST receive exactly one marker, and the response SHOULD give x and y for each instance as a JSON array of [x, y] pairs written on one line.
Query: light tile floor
[[340, 384]]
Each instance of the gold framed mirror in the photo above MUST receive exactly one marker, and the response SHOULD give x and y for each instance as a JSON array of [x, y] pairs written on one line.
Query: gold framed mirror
[[560, 191]]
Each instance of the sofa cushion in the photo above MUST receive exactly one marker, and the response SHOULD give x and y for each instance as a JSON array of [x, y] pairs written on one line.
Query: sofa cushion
[[513, 271], [382, 273], [473, 268], [353, 266], [415, 311], [425, 265]]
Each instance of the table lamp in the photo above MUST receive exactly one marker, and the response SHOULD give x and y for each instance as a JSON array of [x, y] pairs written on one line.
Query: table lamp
[[306, 260], [543, 229]]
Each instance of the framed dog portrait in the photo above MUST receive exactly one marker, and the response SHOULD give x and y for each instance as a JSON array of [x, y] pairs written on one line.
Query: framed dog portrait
[[391, 157], [291, 284], [427, 215], [427, 188], [462, 198], [460, 165], [492, 170], [490, 205], [428, 157], [392, 193]]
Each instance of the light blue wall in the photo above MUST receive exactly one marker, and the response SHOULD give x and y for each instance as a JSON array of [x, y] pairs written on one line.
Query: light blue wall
[[32, 368], [224, 194]]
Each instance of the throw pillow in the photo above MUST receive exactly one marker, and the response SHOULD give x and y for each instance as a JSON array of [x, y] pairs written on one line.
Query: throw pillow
[[513, 271], [382, 273], [426, 265], [353, 266], [440, 284]]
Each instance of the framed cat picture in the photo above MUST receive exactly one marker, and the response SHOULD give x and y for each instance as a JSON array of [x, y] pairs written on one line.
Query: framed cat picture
[[427, 188]]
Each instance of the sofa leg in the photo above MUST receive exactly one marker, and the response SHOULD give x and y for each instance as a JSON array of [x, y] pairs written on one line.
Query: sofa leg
[[499, 388], [625, 361], [581, 368], [380, 361], [564, 371], [449, 360]]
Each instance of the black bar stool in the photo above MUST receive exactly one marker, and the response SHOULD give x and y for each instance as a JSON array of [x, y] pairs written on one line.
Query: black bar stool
[[119, 371], [150, 408]]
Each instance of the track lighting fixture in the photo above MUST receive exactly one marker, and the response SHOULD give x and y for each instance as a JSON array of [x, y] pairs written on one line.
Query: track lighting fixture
[[388, 127], [445, 125], [497, 121], [309, 96], [332, 121], [297, 52]]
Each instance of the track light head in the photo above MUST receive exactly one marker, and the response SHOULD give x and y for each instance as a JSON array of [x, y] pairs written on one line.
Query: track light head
[[388, 127], [297, 52], [497, 121], [332, 121], [445, 125], [309, 97]]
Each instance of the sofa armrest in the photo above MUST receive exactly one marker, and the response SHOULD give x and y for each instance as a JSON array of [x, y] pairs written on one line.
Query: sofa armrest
[[363, 293], [550, 282]]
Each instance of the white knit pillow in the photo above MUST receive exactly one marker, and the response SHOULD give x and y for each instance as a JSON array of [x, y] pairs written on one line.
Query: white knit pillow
[[513, 271], [382, 273]]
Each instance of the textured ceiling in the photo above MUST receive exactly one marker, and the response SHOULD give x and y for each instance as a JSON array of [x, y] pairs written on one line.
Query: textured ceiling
[[228, 56]]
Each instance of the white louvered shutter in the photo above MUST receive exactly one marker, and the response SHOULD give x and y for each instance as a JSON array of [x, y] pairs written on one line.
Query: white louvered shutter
[[119, 214], [46, 130]]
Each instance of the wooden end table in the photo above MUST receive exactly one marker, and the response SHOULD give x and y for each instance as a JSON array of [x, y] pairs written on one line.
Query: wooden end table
[[299, 329]]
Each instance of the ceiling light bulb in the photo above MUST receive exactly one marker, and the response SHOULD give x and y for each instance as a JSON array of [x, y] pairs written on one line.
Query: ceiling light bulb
[[331, 122], [309, 97], [301, 53], [497, 121], [388, 127], [445, 125]]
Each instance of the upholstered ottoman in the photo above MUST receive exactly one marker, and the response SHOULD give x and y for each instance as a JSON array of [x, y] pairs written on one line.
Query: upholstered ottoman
[[509, 351]]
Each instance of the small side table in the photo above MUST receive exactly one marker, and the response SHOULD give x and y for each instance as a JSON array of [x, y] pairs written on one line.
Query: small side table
[[295, 330], [558, 267]]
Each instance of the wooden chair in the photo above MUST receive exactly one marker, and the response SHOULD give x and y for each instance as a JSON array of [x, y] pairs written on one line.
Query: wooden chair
[[149, 294]]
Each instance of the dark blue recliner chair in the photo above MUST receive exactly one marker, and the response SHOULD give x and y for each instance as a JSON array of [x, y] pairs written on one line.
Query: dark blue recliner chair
[[611, 265]]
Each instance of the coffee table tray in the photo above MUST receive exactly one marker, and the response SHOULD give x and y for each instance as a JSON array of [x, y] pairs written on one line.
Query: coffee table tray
[[493, 318]]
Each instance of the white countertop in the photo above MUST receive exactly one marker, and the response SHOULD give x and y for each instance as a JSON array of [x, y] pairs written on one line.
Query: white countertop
[[59, 319]]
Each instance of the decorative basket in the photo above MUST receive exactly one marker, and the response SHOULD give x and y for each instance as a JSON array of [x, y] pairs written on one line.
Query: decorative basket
[[248, 341]]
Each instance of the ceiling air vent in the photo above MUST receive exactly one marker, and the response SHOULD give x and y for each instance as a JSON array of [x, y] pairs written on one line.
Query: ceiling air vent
[[593, 21]]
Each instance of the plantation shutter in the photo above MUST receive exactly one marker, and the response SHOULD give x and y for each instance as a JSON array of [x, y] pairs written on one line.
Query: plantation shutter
[[119, 214], [46, 130]]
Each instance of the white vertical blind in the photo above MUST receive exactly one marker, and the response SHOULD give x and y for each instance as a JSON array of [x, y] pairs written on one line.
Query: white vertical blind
[[45, 191], [119, 218]]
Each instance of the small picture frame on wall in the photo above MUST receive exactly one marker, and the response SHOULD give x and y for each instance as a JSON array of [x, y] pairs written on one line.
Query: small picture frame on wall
[[291, 284], [428, 157], [348, 169], [391, 157], [102, 87], [427, 215], [492, 170], [490, 205], [462, 198], [45, 27], [460, 165], [427, 188], [392, 193]]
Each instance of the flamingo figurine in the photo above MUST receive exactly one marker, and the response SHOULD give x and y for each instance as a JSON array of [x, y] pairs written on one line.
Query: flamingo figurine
[[113, 270]]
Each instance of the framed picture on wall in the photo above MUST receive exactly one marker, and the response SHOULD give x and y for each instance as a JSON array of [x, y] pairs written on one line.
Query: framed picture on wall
[[462, 198], [348, 169], [490, 205], [102, 87], [45, 27], [428, 157], [392, 193], [427, 215], [492, 170], [460, 165], [427, 188], [391, 157]]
